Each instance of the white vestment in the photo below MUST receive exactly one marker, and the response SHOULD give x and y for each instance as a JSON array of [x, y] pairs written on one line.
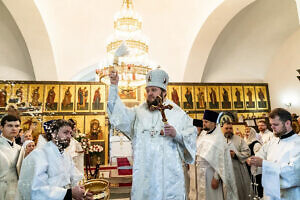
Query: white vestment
[[281, 168], [8, 172], [266, 136], [41, 141], [157, 167], [46, 174], [76, 152], [213, 160]]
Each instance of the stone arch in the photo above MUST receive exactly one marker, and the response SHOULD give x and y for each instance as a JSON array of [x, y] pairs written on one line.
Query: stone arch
[[207, 36], [31, 25]]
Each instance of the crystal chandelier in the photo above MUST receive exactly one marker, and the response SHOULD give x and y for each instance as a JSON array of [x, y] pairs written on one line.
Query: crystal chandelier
[[133, 67]]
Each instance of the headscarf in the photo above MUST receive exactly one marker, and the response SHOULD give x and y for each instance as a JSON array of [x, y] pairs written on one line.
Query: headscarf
[[26, 143], [252, 136], [22, 155]]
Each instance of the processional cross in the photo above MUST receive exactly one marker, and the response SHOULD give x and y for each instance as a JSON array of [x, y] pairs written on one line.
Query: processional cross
[[161, 108]]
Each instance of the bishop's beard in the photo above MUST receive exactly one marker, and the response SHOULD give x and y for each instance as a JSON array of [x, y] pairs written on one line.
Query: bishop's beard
[[154, 102]]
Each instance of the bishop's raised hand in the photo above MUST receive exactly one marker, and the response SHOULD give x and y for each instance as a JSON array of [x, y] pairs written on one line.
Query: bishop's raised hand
[[114, 77]]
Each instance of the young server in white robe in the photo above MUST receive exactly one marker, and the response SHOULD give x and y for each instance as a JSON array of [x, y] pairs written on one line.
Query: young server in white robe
[[280, 159], [9, 153], [157, 166], [48, 173]]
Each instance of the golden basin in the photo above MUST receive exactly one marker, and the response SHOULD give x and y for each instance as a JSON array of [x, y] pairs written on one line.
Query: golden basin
[[99, 187]]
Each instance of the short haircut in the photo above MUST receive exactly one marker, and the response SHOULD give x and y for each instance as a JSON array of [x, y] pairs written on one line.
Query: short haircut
[[9, 118], [283, 114], [262, 121], [55, 126]]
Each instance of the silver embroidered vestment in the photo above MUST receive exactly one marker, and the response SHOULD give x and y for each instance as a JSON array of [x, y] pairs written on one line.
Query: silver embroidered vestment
[[157, 166], [46, 174]]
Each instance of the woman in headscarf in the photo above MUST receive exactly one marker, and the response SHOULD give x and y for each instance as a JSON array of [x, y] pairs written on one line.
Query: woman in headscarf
[[254, 145], [27, 147]]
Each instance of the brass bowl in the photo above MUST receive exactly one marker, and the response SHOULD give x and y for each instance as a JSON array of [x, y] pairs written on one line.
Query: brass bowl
[[99, 187]]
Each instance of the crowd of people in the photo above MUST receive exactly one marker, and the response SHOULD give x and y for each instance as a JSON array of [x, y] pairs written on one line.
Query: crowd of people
[[265, 163], [50, 171], [175, 157]]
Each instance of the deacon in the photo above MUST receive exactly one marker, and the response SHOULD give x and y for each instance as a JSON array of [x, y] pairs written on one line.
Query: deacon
[[280, 159], [48, 173], [213, 162], [239, 152], [162, 137], [9, 153]]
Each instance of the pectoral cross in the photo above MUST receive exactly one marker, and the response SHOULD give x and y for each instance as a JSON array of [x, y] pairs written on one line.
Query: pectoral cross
[[161, 107]]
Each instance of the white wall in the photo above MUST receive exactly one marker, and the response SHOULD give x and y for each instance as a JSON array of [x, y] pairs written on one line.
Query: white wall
[[261, 44], [15, 62], [246, 47], [281, 75]]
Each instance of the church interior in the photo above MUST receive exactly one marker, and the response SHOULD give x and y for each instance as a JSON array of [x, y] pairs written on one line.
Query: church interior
[[236, 57]]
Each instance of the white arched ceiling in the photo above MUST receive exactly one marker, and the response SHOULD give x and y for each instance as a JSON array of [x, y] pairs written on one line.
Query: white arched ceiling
[[207, 36], [245, 48], [32, 27], [15, 63], [78, 31]]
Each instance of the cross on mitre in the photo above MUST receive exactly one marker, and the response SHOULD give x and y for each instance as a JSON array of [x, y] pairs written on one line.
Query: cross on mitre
[[161, 107]]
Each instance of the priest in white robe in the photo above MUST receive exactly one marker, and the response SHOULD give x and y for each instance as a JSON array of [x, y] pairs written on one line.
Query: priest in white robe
[[9, 153], [239, 152], [158, 149], [48, 173], [280, 159], [213, 162]]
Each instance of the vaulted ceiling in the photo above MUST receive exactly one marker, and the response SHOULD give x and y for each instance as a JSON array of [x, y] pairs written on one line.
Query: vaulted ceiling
[[197, 41]]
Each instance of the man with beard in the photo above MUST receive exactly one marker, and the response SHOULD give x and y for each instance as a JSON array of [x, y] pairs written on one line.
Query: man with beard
[[239, 152], [49, 173], [265, 134], [159, 149], [214, 169], [280, 158]]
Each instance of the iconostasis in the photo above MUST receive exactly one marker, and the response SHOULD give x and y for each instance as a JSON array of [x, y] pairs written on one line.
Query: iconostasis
[[86, 103]]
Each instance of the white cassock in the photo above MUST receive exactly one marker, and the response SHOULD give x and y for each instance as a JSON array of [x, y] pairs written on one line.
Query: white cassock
[[76, 152], [213, 160], [281, 168], [157, 167], [8, 171], [266, 136], [46, 174], [242, 178]]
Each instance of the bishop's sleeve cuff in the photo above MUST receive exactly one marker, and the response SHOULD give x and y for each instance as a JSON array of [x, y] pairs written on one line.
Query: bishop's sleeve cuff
[[178, 138]]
